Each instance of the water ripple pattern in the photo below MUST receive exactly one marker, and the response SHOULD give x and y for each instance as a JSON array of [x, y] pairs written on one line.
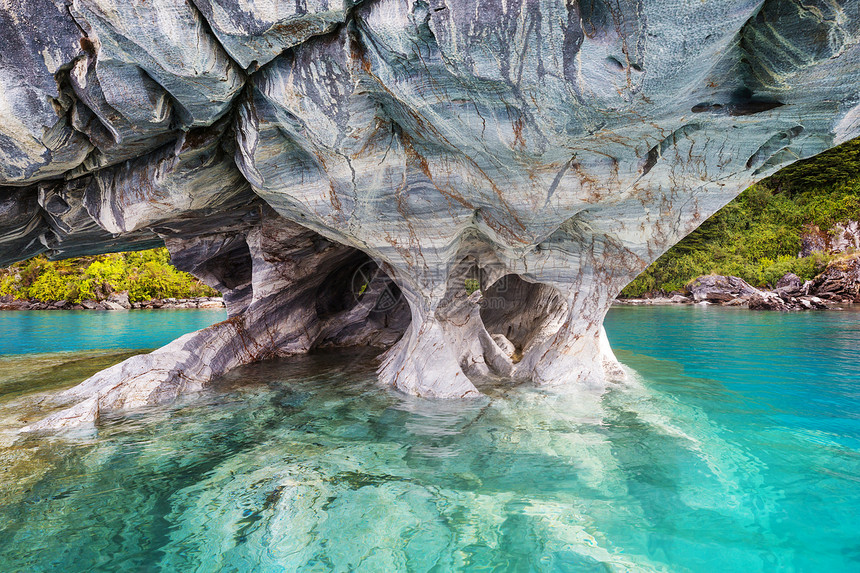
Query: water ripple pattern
[[734, 446]]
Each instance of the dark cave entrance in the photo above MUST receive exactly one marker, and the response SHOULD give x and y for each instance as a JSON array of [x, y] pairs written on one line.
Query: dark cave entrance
[[517, 313], [361, 304]]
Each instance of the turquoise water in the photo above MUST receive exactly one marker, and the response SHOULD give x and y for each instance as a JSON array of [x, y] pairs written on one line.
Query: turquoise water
[[735, 446], [36, 331]]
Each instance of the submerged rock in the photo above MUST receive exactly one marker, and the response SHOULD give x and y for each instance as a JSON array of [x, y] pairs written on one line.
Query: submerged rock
[[339, 170]]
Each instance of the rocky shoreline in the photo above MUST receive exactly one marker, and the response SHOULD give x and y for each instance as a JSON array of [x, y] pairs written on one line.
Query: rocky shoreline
[[837, 286], [116, 301]]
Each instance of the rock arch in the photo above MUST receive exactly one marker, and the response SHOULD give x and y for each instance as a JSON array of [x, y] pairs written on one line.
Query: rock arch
[[565, 144]]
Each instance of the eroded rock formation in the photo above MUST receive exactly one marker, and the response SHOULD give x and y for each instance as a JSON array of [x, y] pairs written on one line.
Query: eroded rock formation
[[545, 152]]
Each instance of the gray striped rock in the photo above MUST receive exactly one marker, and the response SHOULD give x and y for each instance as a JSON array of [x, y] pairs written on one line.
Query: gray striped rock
[[541, 154]]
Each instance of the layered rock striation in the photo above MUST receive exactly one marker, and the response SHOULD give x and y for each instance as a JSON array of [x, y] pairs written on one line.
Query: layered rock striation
[[542, 152]]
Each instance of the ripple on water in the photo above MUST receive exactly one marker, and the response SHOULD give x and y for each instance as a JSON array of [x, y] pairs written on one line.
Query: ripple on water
[[305, 464]]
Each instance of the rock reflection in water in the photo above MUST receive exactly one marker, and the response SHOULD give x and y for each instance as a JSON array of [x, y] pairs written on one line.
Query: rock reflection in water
[[306, 464]]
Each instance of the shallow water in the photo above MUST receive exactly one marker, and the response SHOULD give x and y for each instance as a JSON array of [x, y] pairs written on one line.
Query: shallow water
[[735, 447]]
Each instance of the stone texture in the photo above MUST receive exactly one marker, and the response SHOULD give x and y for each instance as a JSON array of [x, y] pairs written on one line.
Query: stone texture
[[790, 283], [842, 238], [21, 224], [254, 34], [718, 288], [559, 147], [845, 237], [171, 43], [119, 299], [72, 230], [37, 139], [290, 308], [840, 280]]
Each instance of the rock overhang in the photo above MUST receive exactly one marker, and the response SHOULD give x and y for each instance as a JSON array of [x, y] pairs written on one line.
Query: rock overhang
[[567, 144]]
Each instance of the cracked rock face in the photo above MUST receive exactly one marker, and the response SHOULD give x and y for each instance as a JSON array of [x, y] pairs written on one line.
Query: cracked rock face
[[503, 168]]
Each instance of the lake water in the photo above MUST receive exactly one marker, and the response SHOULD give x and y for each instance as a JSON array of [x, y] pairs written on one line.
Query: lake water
[[734, 446], [38, 331]]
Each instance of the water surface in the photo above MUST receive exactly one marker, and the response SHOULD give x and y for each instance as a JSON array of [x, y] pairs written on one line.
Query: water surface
[[38, 331], [734, 447]]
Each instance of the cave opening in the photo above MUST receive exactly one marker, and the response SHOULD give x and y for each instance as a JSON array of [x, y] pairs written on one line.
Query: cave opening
[[231, 269], [337, 292], [360, 305], [518, 313]]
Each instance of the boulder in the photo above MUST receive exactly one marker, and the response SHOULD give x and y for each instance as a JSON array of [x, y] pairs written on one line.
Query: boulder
[[810, 303], [815, 302], [14, 304], [768, 300], [120, 299], [789, 283], [720, 289], [840, 280], [762, 301], [505, 345]]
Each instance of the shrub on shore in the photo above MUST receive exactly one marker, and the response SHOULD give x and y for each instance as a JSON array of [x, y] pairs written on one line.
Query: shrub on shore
[[144, 274]]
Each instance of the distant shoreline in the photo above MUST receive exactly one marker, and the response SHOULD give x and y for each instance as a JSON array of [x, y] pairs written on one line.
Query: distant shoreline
[[672, 301], [836, 287], [114, 303]]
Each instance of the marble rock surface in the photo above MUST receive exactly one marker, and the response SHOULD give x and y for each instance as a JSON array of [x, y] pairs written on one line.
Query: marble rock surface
[[467, 184]]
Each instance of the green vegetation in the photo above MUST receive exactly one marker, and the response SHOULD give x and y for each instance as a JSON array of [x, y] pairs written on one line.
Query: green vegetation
[[472, 285], [758, 235], [144, 274]]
